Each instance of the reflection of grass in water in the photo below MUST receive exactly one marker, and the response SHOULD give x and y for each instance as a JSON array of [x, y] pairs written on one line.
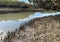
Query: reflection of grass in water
[[14, 16]]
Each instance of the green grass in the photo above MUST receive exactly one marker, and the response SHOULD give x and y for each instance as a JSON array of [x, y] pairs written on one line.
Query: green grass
[[14, 16]]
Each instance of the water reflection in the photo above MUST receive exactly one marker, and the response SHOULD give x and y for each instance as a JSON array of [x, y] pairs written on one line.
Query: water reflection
[[38, 14], [11, 25]]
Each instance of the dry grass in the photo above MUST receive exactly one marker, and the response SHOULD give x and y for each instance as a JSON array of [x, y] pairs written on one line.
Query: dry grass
[[46, 29]]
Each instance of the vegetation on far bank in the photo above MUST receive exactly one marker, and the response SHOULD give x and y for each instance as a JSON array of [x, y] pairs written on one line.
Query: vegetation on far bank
[[14, 4], [37, 5], [46, 4]]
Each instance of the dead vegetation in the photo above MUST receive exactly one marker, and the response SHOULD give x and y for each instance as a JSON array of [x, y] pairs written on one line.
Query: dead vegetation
[[45, 29]]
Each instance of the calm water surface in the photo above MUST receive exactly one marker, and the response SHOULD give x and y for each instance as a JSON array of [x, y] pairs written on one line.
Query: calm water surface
[[9, 22]]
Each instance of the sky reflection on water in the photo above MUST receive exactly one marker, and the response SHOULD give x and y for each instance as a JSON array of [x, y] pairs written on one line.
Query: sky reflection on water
[[10, 25]]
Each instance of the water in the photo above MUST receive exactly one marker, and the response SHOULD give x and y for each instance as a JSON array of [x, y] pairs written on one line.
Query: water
[[14, 16], [11, 25]]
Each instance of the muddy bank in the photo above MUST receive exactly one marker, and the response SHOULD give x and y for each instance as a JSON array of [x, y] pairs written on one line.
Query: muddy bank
[[45, 29], [17, 10]]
